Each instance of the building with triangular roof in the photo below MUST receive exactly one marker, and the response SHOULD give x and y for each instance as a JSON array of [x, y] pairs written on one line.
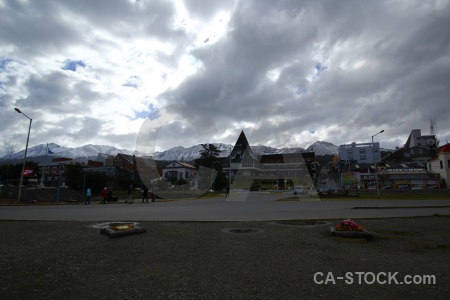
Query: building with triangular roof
[[244, 162], [276, 171]]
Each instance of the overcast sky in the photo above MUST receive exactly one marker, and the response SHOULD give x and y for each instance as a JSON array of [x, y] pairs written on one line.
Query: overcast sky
[[288, 73]]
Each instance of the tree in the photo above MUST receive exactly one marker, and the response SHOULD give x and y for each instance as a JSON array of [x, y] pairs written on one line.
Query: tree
[[74, 176], [221, 181], [96, 181], [209, 158], [208, 155]]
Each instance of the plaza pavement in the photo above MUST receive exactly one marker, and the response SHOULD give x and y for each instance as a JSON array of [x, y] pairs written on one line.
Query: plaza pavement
[[50, 259], [241, 206]]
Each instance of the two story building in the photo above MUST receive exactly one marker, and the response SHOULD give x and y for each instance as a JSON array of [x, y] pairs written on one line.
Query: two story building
[[441, 165]]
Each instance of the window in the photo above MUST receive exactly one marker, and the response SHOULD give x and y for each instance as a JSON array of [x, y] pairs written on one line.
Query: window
[[441, 164], [448, 162]]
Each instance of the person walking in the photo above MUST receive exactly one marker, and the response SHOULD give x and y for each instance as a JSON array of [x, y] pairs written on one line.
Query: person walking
[[145, 195], [88, 196], [227, 195], [104, 195], [130, 194], [152, 194]]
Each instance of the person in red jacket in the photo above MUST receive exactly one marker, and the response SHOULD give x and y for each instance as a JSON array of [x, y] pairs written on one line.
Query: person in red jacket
[[104, 195]]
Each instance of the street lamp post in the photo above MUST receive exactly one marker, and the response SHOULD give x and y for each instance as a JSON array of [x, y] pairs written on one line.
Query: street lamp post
[[59, 183], [229, 171], [153, 185], [25, 155], [84, 184], [376, 169]]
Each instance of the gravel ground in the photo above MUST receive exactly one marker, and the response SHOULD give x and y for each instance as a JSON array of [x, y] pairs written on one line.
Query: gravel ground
[[203, 260]]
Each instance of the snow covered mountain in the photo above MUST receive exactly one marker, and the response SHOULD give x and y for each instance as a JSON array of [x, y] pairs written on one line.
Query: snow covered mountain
[[270, 150], [177, 153], [188, 154], [192, 153], [86, 151], [323, 148], [38, 150]]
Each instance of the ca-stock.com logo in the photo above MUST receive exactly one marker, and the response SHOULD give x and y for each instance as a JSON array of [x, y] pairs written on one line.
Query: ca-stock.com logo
[[271, 126]]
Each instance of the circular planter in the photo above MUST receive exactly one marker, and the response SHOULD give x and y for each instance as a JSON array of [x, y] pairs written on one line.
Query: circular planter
[[364, 234], [112, 232]]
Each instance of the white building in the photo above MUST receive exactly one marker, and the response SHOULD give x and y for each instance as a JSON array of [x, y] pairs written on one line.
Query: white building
[[368, 153], [441, 165], [180, 170], [416, 139]]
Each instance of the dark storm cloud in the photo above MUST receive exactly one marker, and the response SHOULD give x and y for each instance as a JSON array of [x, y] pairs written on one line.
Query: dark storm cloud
[[47, 27], [153, 18], [34, 27], [236, 66], [341, 70], [53, 92], [81, 129], [402, 54], [206, 9], [90, 127]]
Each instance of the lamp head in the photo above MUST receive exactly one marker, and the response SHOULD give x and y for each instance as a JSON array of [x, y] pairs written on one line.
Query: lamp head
[[382, 131], [18, 110]]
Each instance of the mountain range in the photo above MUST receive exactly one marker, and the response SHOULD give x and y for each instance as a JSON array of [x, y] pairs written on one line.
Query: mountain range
[[177, 153]]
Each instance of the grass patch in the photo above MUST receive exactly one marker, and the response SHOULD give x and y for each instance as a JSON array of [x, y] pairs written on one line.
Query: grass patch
[[396, 196], [393, 196], [299, 198], [383, 196]]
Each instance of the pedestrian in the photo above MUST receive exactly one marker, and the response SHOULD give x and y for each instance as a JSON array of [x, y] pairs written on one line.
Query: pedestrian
[[104, 195], [152, 194], [88, 196], [145, 195], [130, 194], [228, 191]]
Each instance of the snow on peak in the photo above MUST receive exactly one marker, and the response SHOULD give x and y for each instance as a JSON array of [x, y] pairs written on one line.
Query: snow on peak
[[174, 154], [85, 151], [323, 148]]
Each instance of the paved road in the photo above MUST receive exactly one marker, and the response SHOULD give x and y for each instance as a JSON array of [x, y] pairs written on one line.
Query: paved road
[[242, 206]]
